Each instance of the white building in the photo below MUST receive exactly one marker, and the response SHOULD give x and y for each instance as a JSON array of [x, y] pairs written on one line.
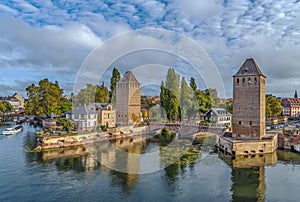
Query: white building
[[83, 117], [218, 117]]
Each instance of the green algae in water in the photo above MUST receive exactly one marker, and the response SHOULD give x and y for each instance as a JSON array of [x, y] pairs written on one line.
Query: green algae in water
[[179, 155]]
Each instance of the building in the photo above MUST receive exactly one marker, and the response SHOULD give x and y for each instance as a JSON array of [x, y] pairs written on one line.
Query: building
[[249, 90], [16, 101], [106, 114], [248, 119], [291, 107], [83, 117], [128, 100], [218, 117]]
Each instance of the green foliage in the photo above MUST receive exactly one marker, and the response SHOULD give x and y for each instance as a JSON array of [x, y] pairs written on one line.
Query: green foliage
[[212, 94], [92, 93], [188, 104], [273, 106], [116, 77], [46, 98], [67, 124], [169, 95], [193, 84], [203, 100], [227, 106], [5, 106]]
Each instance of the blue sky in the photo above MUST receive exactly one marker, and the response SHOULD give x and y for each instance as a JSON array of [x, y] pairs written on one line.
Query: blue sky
[[51, 39]]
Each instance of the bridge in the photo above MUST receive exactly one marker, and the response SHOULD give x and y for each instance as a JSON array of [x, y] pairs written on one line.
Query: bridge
[[185, 130]]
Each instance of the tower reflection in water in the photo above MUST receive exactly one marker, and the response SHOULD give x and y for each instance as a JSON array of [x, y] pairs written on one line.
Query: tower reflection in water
[[248, 175]]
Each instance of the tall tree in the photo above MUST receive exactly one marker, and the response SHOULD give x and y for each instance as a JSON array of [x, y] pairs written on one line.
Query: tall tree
[[187, 103], [193, 84], [116, 76], [203, 100], [273, 106], [212, 94], [93, 93], [46, 98]]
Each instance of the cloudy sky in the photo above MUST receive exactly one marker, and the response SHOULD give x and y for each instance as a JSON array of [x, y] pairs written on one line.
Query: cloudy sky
[[52, 39]]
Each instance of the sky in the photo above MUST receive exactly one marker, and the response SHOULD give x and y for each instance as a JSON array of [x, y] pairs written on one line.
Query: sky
[[53, 39]]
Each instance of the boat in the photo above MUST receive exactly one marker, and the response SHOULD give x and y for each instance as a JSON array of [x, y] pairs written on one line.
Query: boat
[[13, 130], [297, 147]]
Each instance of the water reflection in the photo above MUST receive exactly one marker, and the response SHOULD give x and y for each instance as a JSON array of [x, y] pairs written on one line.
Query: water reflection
[[248, 175], [247, 172]]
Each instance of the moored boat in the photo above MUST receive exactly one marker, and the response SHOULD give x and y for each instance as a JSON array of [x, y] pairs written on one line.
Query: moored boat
[[13, 130], [297, 147]]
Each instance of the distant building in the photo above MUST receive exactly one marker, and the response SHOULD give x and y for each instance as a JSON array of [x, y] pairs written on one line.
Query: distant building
[[296, 94], [218, 117], [128, 100], [83, 117], [16, 101], [106, 114], [291, 107]]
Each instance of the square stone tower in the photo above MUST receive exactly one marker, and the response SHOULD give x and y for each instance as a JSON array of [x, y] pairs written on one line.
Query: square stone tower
[[128, 100], [249, 99]]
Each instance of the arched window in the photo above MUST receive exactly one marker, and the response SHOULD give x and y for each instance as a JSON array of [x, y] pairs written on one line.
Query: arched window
[[255, 80], [238, 80], [249, 80], [243, 80]]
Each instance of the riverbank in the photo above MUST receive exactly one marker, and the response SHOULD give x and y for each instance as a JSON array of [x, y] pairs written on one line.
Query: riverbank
[[52, 142]]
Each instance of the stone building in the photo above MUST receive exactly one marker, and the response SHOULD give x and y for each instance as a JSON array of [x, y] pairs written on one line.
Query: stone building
[[291, 107], [248, 135], [249, 95], [106, 114], [218, 117], [128, 100]]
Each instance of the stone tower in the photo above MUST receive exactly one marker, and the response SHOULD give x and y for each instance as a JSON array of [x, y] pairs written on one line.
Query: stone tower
[[249, 91], [128, 100]]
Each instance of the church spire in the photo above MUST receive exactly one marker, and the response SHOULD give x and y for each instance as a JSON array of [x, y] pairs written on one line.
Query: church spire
[[296, 94]]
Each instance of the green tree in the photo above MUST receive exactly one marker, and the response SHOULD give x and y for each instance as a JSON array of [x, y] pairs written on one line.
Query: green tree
[[170, 95], [5, 106], [92, 93], [67, 124], [116, 77], [212, 94], [193, 84], [187, 101], [46, 98], [273, 106], [203, 100]]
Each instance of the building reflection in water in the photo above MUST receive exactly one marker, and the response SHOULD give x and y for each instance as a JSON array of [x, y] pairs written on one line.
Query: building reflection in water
[[248, 175]]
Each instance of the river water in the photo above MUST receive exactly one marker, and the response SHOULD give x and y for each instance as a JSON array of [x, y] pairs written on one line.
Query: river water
[[77, 175]]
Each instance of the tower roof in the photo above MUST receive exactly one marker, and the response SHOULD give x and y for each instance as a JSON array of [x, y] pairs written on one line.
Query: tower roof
[[249, 68], [128, 77]]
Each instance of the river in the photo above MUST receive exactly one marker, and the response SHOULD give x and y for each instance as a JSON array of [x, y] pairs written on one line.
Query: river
[[78, 175]]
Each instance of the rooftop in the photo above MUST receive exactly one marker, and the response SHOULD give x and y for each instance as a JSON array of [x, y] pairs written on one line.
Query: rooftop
[[249, 68]]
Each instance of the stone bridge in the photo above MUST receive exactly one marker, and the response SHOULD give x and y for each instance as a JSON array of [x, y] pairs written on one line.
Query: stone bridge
[[185, 130]]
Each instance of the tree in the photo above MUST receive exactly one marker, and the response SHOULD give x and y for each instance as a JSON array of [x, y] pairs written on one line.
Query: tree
[[203, 100], [92, 93], [273, 106], [170, 95], [5, 106], [193, 84], [187, 101], [46, 98], [212, 94], [67, 124], [116, 77]]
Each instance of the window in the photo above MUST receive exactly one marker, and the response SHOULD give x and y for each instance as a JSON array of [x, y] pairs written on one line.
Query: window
[[240, 122], [255, 80], [243, 80], [238, 80], [249, 80], [250, 123]]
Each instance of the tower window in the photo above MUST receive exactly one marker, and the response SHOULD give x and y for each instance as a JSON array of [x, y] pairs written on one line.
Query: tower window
[[238, 80], [243, 80], [250, 123], [255, 80], [249, 80], [240, 122]]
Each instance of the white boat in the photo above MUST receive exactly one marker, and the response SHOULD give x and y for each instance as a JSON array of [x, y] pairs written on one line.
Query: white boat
[[13, 130], [297, 147]]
